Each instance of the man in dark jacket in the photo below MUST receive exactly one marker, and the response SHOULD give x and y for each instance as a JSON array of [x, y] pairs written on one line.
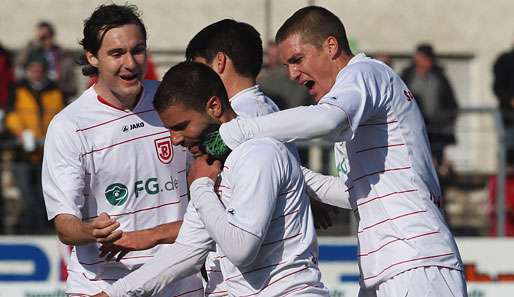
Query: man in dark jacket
[[435, 96], [504, 90]]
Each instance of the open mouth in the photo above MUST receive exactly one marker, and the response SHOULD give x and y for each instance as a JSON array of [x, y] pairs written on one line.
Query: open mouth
[[128, 77], [309, 84]]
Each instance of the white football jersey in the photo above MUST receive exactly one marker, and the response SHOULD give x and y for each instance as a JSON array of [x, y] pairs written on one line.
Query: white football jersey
[[393, 187], [101, 159], [247, 103], [262, 189], [383, 156]]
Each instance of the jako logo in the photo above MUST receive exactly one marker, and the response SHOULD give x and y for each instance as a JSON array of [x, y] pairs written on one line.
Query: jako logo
[[116, 194], [133, 126]]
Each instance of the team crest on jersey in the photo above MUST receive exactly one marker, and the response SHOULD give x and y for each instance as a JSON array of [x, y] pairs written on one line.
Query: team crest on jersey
[[164, 149]]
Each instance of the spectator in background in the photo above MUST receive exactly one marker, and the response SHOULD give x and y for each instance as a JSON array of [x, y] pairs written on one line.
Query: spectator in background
[[36, 100], [60, 66], [504, 90], [6, 78], [275, 83], [434, 94]]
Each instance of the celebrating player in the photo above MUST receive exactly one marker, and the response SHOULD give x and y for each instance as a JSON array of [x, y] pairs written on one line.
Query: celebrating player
[[261, 224], [234, 51], [405, 246], [113, 182]]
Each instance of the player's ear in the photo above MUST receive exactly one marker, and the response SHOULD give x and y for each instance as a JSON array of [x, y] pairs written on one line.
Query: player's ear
[[92, 59], [331, 46], [220, 62], [214, 107]]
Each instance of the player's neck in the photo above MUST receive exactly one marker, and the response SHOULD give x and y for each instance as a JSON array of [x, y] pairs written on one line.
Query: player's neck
[[236, 83], [228, 115], [115, 100], [342, 61]]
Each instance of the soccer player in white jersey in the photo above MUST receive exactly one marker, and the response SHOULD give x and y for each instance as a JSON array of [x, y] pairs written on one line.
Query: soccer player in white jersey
[[113, 182], [234, 51], [382, 152], [260, 223]]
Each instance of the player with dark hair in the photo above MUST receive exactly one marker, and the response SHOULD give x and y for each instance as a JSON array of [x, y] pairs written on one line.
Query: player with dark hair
[[113, 183], [261, 223], [382, 155]]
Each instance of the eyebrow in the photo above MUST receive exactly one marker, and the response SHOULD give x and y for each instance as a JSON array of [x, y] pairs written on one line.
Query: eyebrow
[[179, 126], [294, 58], [115, 50]]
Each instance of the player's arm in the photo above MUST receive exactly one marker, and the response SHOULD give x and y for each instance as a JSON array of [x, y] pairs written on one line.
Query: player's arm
[[303, 122], [140, 240], [63, 181], [327, 189], [240, 228], [171, 263], [72, 231]]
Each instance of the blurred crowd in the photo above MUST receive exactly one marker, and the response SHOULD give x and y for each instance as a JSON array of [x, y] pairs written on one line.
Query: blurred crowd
[[38, 81]]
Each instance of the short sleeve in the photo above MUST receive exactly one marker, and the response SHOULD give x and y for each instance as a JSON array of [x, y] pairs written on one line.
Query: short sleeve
[[257, 178], [193, 232], [63, 173]]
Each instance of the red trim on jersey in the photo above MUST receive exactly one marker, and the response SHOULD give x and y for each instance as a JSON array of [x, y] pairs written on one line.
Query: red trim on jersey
[[255, 270], [378, 147], [395, 240], [113, 120], [269, 284], [382, 171], [391, 219], [386, 195], [280, 240], [192, 291], [104, 101], [123, 142], [139, 210], [124, 258], [285, 215], [287, 192], [218, 292], [406, 261], [376, 124]]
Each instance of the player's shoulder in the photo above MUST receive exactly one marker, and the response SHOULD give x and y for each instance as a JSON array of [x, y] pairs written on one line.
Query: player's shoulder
[[77, 108], [361, 64], [257, 149], [151, 85]]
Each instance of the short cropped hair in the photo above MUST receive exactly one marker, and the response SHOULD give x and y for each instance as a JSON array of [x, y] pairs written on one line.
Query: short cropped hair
[[314, 24], [239, 41], [103, 19], [189, 83]]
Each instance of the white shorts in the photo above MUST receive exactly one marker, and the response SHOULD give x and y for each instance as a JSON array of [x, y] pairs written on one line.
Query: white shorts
[[431, 281]]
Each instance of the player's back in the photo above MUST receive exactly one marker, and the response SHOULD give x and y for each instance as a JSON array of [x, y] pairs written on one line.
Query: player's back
[[287, 259]]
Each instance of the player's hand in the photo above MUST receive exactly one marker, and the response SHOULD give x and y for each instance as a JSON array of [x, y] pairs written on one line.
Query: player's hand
[[103, 229], [129, 241], [321, 213], [202, 168]]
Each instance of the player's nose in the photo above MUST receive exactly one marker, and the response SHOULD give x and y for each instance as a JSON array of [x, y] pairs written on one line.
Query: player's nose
[[176, 138], [293, 72]]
